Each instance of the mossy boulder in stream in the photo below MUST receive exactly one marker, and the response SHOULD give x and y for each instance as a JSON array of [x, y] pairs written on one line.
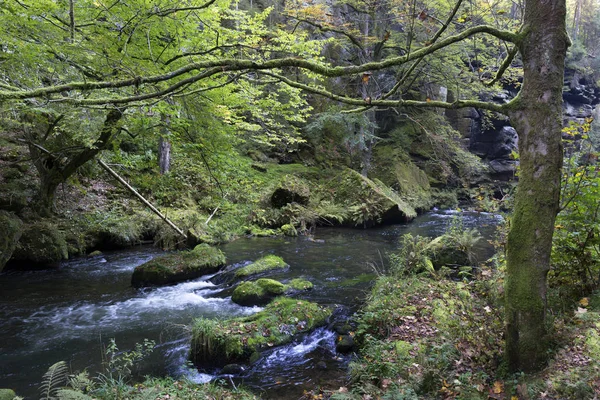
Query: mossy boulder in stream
[[218, 343], [177, 267], [41, 244], [11, 229], [257, 292], [264, 264], [263, 290], [369, 202]]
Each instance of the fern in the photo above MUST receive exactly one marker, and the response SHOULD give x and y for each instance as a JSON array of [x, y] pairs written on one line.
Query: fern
[[53, 379]]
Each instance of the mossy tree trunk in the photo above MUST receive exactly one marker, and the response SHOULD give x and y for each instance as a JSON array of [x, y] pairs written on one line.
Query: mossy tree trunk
[[54, 168], [537, 117]]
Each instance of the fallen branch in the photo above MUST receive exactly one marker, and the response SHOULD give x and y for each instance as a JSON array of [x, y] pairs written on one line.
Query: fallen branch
[[142, 199]]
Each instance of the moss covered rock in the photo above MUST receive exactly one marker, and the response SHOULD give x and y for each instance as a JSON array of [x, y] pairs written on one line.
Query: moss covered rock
[[299, 284], [220, 343], [11, 229], [177, 267], [369, 202], [7, 394], [257, 292], [42, 243], [264, 264], [291, 189]]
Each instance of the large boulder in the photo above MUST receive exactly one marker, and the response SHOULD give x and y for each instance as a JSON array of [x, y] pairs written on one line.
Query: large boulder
[[177, 267], [291, 189], [11, 229], [369, 202], [218, 343], [41, 244]]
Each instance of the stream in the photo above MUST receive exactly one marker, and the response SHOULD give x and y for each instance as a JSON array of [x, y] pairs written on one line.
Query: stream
[[70, 313]]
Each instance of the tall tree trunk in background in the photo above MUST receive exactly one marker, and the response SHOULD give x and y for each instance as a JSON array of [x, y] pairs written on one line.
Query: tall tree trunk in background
[[576, 20], [164, 146], [537, 117]]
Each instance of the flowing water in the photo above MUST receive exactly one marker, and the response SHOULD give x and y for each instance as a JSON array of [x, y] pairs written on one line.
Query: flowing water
[[71, 312]]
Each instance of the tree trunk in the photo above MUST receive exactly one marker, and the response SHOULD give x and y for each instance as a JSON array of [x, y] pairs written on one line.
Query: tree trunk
[[164, 146], [164, 155], [537, 117]]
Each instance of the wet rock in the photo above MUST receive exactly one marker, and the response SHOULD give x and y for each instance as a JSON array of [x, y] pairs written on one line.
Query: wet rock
[[258, 292], [177, 267], [344, 344], [11, 229], [321, 365], [342, 328], [41, 244], [233, 369]]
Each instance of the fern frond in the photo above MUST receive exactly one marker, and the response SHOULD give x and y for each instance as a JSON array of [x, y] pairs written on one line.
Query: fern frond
[[53, 379]]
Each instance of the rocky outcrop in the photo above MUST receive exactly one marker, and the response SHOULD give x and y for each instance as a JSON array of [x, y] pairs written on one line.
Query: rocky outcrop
[[11, 229], [177, 267], [369, 201], [291, 189], [42, 244]]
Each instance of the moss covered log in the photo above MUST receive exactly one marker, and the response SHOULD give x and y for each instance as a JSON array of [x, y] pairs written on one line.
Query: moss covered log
[[178, 267], [217, 342]]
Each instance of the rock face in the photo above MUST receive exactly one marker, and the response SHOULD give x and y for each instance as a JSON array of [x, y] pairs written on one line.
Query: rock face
[[494, 140], [11, 229], [369, 202], [41, 244], [177, 267]]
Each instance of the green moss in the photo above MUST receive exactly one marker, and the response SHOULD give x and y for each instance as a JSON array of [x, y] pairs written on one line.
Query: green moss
[[11, 229], [7, 394], [41, 243], [262, 232], [257, 292], [300, 284], [177, 267], [264, 264], [368, 201], [289, 230], [234, 340]]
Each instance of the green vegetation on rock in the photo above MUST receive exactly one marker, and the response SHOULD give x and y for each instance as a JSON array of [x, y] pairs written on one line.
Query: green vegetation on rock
[[180, 266], [264, 264], [257, 292], [11, 229], [41, 243], [263, 290], [225, 342], [7, 394]]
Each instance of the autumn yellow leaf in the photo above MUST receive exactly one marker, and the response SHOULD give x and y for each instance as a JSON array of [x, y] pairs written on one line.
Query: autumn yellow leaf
[[498, 387], [585, 301]]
